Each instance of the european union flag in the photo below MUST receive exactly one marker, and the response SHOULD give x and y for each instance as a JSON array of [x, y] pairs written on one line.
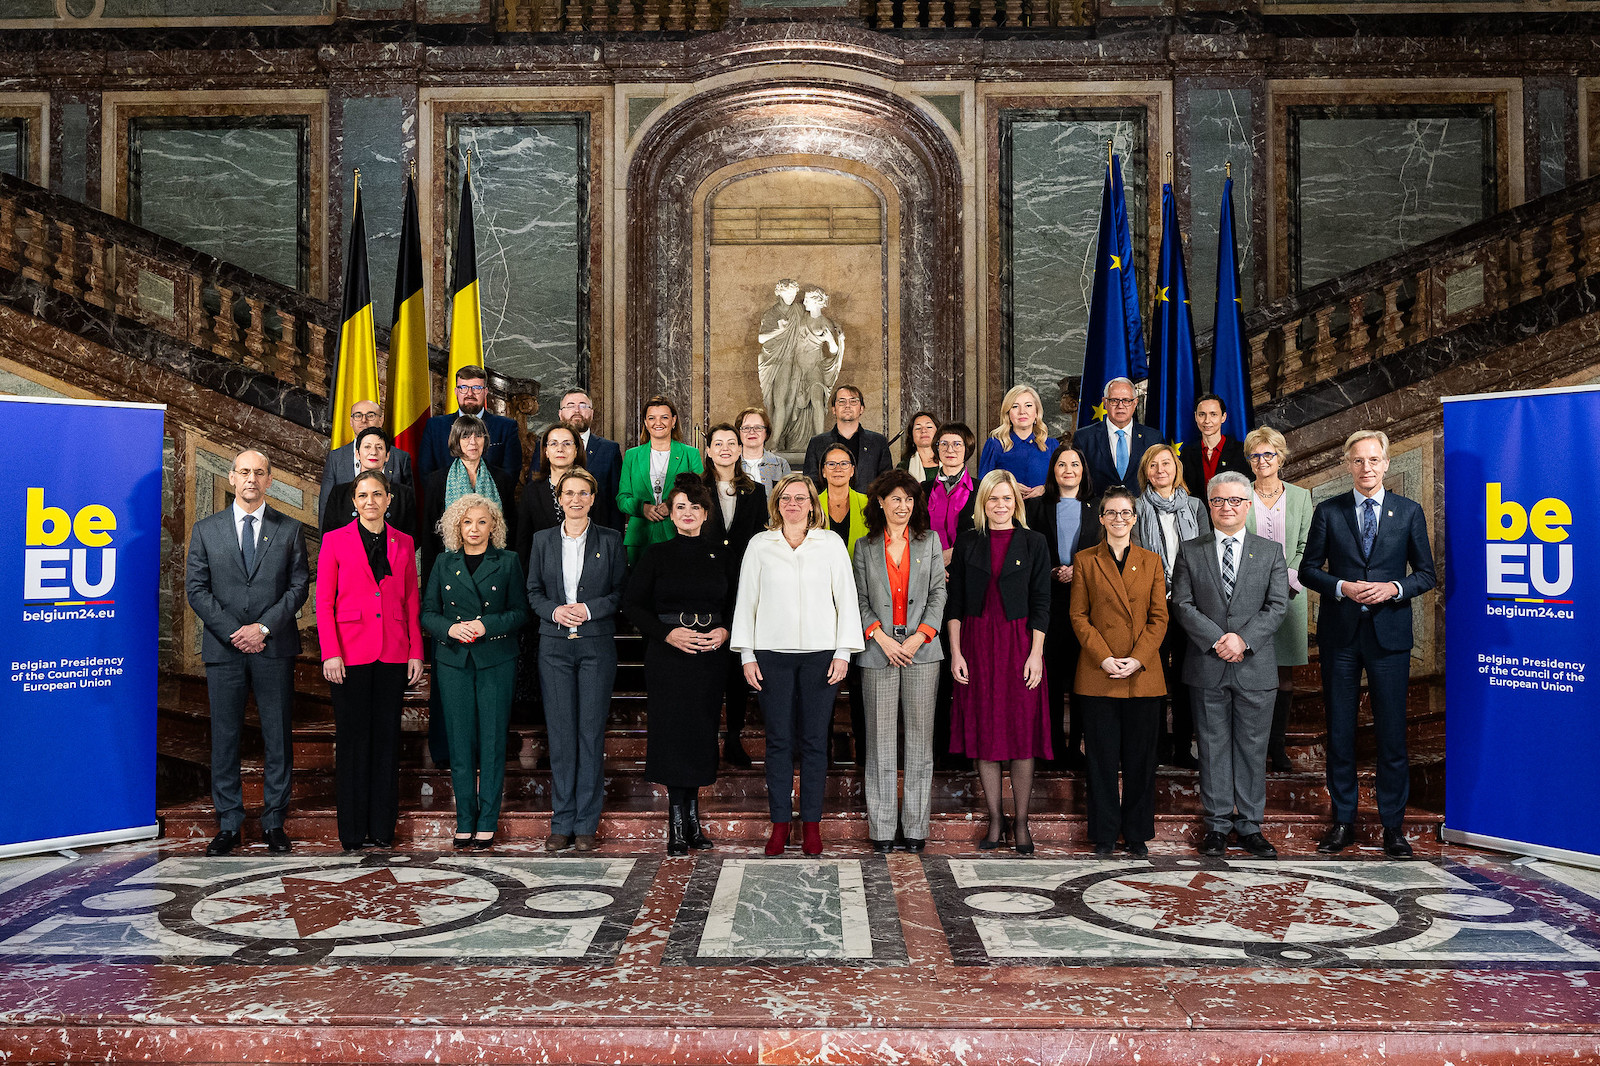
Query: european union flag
[[1174, 368], [1115, 344], [1230, 363]]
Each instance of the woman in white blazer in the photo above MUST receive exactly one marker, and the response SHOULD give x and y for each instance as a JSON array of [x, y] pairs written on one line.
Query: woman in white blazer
[[795, 626]]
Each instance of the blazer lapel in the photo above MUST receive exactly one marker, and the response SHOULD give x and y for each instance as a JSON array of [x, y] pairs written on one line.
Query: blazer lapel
[[1349, 510], [1114, 579], [269, 531], [1211, 567], [467, 576], [1386, 519]]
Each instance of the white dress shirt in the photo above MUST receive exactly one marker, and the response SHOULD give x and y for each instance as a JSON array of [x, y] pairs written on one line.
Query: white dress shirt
[[797, 599], [238, 522], [572, 562]]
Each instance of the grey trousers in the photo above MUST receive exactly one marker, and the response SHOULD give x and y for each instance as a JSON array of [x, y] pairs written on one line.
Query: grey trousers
[[889, 693], [1233, 726], [229, 684], [576, 676]]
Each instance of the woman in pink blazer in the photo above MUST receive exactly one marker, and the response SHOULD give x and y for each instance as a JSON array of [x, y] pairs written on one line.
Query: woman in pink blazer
[[371, 639]]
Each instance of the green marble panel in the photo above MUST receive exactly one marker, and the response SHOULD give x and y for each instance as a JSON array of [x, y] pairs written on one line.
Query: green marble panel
[[1219, 134], [378, 141], [28, 9], [197, 9], [1552, 141], [74, 150], [13, 147]]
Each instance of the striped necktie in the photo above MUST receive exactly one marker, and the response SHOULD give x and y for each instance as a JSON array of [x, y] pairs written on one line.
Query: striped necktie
[[1227, 568]]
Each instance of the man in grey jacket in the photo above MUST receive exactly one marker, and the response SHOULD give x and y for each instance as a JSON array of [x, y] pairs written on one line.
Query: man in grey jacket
[[1230, 590]]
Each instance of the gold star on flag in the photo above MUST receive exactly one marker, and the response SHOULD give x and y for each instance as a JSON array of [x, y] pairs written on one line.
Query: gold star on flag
[[1100, 412], [1116, 262], [1161, 295]]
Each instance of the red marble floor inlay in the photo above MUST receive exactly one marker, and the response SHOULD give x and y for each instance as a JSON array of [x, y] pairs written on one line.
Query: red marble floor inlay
[[315, 905]]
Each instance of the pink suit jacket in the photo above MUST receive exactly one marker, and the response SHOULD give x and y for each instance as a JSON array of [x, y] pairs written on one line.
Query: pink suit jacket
[[359, 619]]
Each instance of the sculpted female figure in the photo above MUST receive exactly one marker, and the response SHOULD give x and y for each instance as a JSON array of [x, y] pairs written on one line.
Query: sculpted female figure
[[799, 366]]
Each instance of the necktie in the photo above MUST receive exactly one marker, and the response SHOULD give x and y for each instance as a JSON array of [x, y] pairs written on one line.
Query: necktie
[[1122, 453], [247, 543], [1227, 568], [1369, 526]]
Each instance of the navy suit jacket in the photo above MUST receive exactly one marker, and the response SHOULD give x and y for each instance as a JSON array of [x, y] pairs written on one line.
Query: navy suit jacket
[[605, 570], [603, 459], [1095, 445], [504, 452], [226, 596], [1400, 554]]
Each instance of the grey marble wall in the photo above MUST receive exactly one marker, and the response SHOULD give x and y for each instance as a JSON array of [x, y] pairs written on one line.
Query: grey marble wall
[[378, 141], [452, 7], [13, 147], [1365, 186], [75, 150], [212, 8], [1219, 134], [237, 193], [532, 231], [1053, 171], [28, 9], [1552, 141]]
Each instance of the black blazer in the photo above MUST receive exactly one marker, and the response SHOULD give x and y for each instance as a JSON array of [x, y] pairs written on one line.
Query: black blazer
[[603, 459], [433, 509], [535, 511], [1333, 554], [402, 512], [1193, 460], [1024, 578], [1093, 442], [1043, 522], [874, 458], [749, 518]]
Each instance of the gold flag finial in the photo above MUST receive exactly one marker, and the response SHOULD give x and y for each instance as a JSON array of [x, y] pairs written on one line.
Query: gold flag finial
[[1227, 169]]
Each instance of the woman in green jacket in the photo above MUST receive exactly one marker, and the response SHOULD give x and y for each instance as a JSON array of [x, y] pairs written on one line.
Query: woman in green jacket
[[474, 606], [648, 472]]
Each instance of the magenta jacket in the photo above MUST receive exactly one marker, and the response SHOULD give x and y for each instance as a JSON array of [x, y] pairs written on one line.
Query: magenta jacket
[[358, 619], [950, 513]]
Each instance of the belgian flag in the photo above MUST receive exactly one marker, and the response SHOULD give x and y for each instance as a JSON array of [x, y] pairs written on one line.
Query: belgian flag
[[356, 374], [466, 314], [410, 395]]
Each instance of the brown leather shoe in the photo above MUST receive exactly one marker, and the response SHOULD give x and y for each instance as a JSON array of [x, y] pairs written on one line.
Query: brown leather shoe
[[583, 842], [557, 842]]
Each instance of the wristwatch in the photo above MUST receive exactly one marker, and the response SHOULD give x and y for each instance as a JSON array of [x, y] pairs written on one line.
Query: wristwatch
[[265, 632]]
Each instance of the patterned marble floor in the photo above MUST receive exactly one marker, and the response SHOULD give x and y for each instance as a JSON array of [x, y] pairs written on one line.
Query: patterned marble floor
[[730, 945]]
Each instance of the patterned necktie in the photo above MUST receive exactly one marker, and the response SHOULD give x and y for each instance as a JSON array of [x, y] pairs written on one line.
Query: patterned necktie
[[1122, 453], [247, 543], [1369, 526], [1227, 568]]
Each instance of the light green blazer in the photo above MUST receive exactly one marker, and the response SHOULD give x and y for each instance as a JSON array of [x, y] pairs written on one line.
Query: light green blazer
[[1292, 645]]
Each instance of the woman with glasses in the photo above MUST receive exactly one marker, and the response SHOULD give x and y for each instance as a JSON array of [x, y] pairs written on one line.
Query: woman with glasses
[[764, 465], [844, 510], [1021, 443], [372, 452], [649, 471], [1119, 614], [1282, 513], [467, 472], [918, 456]]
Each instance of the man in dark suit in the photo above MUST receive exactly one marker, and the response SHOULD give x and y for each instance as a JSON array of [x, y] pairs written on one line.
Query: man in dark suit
[[472, 396], [1230, 591], [1217, 452], [1114, 445], [870, 450], [341, 466], [602, 457], [246, 577], [1367, 553]]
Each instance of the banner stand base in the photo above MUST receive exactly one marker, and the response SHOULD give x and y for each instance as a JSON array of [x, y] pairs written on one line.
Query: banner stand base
[[1518, 847], [81, 840]]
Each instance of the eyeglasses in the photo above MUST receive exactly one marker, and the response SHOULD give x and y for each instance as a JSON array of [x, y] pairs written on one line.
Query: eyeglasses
[[472, 388], [1117, 516], [794, 499], [752, 430], [1263, 457], [1229, 501], [576, 494], [366, 416], [951, 445], [1367, 462], [1117, 401], [577, 407], [837, 464]]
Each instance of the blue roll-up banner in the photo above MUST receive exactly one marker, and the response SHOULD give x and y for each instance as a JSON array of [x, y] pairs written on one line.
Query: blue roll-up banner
[[1522, 603], [80, 549]]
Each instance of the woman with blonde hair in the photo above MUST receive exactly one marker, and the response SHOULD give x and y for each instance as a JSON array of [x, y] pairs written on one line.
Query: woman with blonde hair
[[474, 607], [1281, 512], [1021, 443]]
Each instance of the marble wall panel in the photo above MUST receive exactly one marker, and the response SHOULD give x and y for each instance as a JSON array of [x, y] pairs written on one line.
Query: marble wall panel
[[378, 141], [1053, 168], [1552, 144], [236, 191], [1219, 134], [30, 9], [75, 151], [13, 147], [213, 8], [438, 8], [1366, 182], [530, 176]]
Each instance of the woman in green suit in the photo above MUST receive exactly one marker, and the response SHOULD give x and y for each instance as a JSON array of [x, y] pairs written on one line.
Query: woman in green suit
[[474, 606], [1281, 512], [648, 471]]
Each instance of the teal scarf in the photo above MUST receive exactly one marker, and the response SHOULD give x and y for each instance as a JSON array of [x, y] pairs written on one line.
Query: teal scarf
[[457, 484]]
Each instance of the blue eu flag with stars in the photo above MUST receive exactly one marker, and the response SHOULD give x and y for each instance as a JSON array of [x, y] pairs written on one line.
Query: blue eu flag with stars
[[1174, 368], [1230, 364], [1115, 344]]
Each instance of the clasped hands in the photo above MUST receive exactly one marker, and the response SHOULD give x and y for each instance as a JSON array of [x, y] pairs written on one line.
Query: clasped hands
[[248, 639], [1368, 592], [571, 615], [693, 641], [1117, 669], [655, 512], [900, 653], [467, 632], [1231, 648]]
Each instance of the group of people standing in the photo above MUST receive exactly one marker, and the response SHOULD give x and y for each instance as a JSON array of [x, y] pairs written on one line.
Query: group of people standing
[[964, 614]]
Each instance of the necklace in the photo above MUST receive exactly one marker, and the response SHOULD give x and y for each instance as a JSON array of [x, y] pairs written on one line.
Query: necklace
[[1270, 497]]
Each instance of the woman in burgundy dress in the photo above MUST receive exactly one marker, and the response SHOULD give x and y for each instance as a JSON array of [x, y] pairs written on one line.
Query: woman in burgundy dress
[[998, 610]]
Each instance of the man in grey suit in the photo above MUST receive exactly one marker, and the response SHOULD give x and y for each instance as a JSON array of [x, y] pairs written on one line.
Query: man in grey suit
[[246, 577], [340, 466], [1230, 590]]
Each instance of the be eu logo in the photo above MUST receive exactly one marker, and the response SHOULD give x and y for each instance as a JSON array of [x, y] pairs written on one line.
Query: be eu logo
[[68, 560], [1516, 563]]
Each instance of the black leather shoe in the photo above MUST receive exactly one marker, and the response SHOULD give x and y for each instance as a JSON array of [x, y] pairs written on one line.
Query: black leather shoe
[[883, 847], [1137, 850], [1395, 844], [1259, 846], [912, 843], [1338, 837], [277, 840], [483, 843], [462, 843], [1214, 845], [224, 842], [1102, 850]]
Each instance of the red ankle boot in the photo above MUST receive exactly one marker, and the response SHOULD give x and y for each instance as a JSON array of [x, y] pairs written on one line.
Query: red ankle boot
[[811, 838], [779, 838]]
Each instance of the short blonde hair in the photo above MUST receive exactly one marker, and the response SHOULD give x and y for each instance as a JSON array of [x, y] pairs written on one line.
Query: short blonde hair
[[449, 526], [980, 499], [1360, 435], [582, 475], [1272, 439], [1150, 454], [775, 517], [1002, 432]]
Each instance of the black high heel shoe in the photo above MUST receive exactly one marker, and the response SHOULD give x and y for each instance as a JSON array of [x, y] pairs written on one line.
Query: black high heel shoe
[[1024, 849], [985, 844], [462, 843]]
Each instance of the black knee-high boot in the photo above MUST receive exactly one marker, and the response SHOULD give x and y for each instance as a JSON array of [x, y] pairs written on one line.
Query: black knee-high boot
[[1277, 751], [677, 842], [693, 832]]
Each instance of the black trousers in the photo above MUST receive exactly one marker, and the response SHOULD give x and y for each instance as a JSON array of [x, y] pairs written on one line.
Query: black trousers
[[797, 704], [1388, 674], [1174, 649], [366, 766], [1120, 734], [1061, 650]]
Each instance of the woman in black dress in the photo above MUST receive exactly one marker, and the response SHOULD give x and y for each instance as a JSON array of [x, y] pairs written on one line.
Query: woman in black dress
[[680, 598], [740, 514]]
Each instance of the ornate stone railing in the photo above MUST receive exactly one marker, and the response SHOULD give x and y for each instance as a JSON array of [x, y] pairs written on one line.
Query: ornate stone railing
[[1426, 292], [612, 16], [977, 14]]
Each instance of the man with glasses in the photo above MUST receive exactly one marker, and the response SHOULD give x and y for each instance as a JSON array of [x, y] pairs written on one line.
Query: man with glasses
[[1367, 553], [870, 450], [1114, 450], [602, 457], [1230, 590], [1217, 452], [504, 452], [341, 465]]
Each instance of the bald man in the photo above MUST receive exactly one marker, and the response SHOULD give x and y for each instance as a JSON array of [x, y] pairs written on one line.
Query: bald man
[[246, 577], [341, 465]]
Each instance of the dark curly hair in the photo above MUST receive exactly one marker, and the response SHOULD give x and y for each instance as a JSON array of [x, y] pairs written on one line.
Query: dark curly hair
[[886, 483]]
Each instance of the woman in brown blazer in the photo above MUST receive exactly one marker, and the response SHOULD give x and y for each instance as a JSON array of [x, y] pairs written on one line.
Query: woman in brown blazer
[[1119, 614]]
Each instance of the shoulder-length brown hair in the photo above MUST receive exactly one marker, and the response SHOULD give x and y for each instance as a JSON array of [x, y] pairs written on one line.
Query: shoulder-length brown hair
[[659, 401], [742, 482], [885, 484]]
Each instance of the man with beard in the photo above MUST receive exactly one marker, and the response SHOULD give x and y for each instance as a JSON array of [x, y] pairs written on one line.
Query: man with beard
[[472, 396], [602, 457]]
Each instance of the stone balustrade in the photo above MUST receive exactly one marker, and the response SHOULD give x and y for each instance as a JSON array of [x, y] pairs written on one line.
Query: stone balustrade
[[887, 15], [612, 16]]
